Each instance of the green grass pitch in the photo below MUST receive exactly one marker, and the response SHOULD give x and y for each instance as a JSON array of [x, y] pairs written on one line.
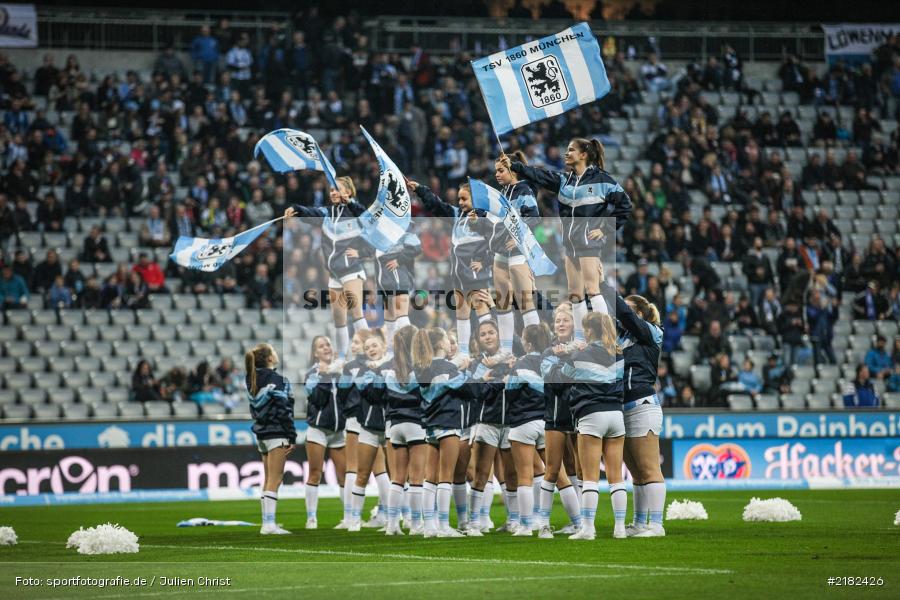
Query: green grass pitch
[[843, 533]]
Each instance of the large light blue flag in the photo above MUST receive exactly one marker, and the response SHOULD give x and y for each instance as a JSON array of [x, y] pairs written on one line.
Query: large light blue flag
[[543, 78], [208, 255], [388, 218], [490, 200], [291, 150]]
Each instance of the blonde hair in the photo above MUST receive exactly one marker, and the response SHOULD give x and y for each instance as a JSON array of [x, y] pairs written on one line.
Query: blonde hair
[[600, 327], [423, 346], [645, 309], [404, 349], [347, 183], [257, 357], [312, 348]]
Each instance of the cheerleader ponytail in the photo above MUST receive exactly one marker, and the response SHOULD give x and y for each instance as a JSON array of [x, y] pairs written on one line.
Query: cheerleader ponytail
[[645, 309], [422, 350], [250, 367], [596, 155]]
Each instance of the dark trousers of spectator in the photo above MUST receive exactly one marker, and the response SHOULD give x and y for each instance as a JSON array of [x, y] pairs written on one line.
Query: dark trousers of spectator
[[823, 352], [756, 292], [209, 70], [789, 353]]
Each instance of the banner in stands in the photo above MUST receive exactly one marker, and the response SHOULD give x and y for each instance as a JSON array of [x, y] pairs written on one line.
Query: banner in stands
[[783, 463], [18, 26], [166, 434], [161, 474], [855, 42]]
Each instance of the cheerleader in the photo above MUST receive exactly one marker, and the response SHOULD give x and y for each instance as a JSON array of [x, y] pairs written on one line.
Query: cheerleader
[[490, 433], [341, 246], [642, 341], [597, 370], [272, 409], [326, 423], [558, 425], [395, 280], [474, 238], [513, 279], [586, 193], [407, 435], [525, 398], [461, 472], [442, 387], [372, 395]]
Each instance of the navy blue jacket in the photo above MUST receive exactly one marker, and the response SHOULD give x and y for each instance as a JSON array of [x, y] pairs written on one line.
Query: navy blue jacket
[[470, 242], [272, 408], [372, 395], [581, 200], [557, 412], [596, 378], [642, 343], [405, 253], [348, 386], [525, 391], [490, 396], [445, 394], [403, 400], [341, 230], [323, 409]]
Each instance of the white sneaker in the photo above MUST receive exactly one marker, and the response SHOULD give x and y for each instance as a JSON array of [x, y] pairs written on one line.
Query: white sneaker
[[522, 531], [633, 529], [312, 524], [394, 531], [430, 532], [568, 529], [619, 533], [375, 522], [342, 524], [473, 531], [486, 526], [545, 533], [508, 526], [583, 534], [651, 531], [354, 525], [417, 529], [273, 530], [449, 532]]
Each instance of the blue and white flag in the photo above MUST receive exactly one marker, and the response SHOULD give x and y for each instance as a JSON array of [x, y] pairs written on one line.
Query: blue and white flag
[[206, 255], [542, 78], [291, 150], [490, 200], [388, 218]]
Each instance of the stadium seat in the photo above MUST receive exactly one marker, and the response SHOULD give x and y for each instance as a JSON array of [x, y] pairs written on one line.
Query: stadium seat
[[96, 317], [73, 411], [157, 409], [115, 395], [233, 301], [184, 302], [185, 409], [14, 381], [16, 411], [89, 395], [32, 396], [8, 365], [126, 348], [818, 401], [99, 349], [892, 400], [102, 410], [131, 410], [72, 348], [212, 410], [701, 378], [84, 333], [122, 317], [46, 411], [739, 345], [200, 317], [766, 402], [172, 317], [60, 395], [46, 381], [31, 364], [242, 411], [164, 333], [8, 397], [739, 402]]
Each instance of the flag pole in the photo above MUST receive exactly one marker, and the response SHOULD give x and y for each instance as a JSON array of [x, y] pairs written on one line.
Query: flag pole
[[494, 129]]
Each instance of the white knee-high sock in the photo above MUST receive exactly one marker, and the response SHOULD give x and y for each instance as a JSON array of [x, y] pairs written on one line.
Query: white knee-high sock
[[656, 501], [513, 512], [579, 310], [619, 499], [530, 317], [311, 496], [475, 500], [389, 328], [640, 504], [590, 495], [444, 493], [360, 324], [545, 502], [404, 503], [459, 499], [577, 484], [571, 501], [428, 494], [525, 497], [349, 480], [401, 322], [486, 501], [395, 498], [506, 321], [463, 335], [342, 339], [536, 490], [414, 493], [384, 486], [358, 500], [598, 304], [268, 501]]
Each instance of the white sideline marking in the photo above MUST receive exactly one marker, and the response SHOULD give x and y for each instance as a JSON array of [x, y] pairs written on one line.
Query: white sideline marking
[[373, 584], [493, 561]]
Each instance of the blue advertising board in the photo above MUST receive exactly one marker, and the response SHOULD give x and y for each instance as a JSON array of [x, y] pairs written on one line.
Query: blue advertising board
[[166, 434]]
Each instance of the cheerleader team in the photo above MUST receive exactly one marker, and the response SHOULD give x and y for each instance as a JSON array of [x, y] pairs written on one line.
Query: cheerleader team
[[437, 416]]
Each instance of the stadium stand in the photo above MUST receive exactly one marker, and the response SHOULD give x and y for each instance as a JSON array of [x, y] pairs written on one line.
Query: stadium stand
[[765, 204]]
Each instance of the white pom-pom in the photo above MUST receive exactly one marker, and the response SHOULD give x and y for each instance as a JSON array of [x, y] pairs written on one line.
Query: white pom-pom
[[8, 536], [686, 509], [104, 539], [773, 509], [897, 518]]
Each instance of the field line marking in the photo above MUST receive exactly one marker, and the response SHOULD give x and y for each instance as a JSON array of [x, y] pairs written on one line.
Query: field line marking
[[379, 584]]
